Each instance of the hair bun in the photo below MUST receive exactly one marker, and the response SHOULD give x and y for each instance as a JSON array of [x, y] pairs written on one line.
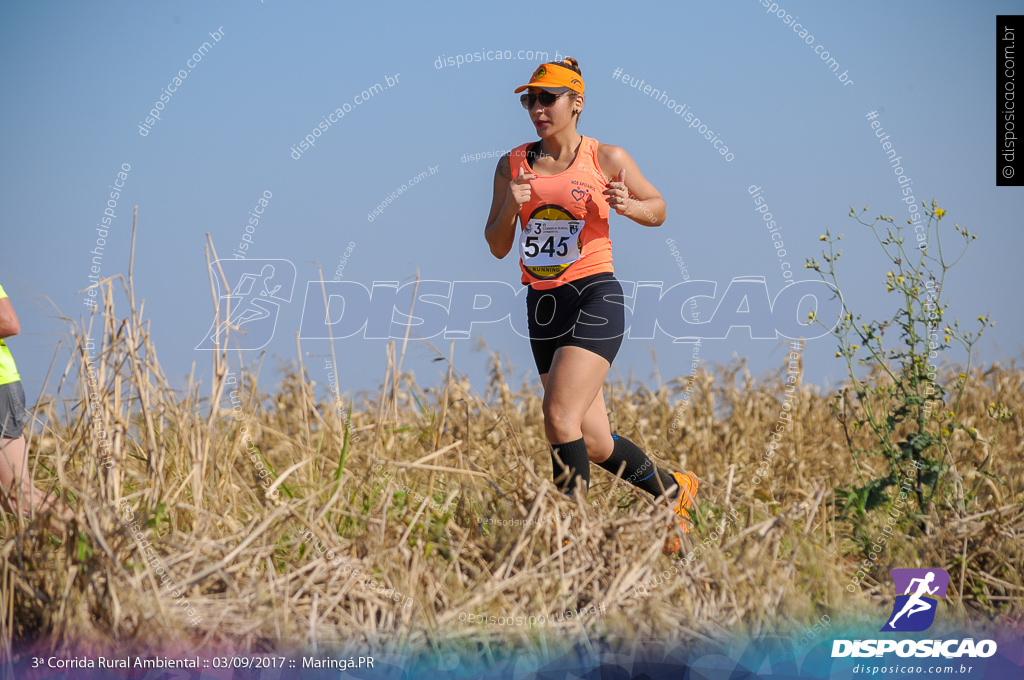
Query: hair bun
[[569, 62]]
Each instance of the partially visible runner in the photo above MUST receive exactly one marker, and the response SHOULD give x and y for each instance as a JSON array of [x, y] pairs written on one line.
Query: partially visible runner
[[561, 189], [17, 491]]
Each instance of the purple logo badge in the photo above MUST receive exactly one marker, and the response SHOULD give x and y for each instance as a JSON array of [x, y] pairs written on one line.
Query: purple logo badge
[[917, 596]]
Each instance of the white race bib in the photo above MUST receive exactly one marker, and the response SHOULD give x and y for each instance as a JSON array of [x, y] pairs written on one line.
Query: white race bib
[[548, 247]]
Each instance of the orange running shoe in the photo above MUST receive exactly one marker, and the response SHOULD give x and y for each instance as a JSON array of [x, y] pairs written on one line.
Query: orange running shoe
[[687, 483]]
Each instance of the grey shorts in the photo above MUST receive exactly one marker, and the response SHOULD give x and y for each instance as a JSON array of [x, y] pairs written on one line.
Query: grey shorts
[[12, 410]]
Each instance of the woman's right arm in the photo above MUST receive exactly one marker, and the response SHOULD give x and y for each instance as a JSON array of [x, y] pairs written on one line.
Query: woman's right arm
[[509, 194]]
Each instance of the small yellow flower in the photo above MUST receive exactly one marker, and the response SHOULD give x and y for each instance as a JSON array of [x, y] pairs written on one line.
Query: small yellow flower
[[889, 275], [981, 318], [837, 355], [939, 213], [946, 338], [821, 238], [811, 315], [899, 279], [945, 433]]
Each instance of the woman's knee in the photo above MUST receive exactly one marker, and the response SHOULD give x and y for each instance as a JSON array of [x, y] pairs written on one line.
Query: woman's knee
[[560, 425]]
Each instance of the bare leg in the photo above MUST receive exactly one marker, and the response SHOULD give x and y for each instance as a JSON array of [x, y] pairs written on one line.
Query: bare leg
[[570, 390], [597, 432], [19, 494]]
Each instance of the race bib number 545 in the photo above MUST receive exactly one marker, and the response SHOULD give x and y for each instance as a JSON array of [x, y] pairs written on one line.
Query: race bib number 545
[[548, 247]]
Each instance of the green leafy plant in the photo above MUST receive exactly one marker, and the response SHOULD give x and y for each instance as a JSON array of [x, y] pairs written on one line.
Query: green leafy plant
[[909, 412]]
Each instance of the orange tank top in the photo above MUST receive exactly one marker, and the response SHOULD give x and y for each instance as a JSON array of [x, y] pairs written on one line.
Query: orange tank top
[[564, 225]]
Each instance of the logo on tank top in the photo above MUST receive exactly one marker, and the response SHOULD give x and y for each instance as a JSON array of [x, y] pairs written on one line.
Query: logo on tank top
[[550, 242]]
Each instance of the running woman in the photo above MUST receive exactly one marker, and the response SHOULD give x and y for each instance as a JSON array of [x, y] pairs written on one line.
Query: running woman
[[562, 191], [16, 489]]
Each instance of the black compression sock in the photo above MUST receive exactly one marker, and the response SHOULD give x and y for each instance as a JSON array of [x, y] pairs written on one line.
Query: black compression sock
[[632, 464], [570, 462]]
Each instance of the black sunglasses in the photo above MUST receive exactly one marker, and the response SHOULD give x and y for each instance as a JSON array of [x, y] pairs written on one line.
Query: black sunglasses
[[528, 99]]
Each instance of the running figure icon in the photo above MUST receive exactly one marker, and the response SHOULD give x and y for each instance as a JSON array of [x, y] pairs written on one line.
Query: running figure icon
[[914, 609], [915, 604], [251, 308], [252, 303]]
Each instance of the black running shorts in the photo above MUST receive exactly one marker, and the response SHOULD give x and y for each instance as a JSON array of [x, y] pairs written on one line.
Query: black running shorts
[[585, 313]]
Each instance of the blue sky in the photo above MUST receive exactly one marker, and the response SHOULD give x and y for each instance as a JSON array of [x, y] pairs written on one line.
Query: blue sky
[[78, 80]]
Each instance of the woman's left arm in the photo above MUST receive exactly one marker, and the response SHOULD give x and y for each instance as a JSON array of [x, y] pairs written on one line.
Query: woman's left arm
[[630, 194]]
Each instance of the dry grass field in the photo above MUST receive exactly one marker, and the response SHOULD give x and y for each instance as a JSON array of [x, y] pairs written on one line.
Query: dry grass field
[[410, 517]]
